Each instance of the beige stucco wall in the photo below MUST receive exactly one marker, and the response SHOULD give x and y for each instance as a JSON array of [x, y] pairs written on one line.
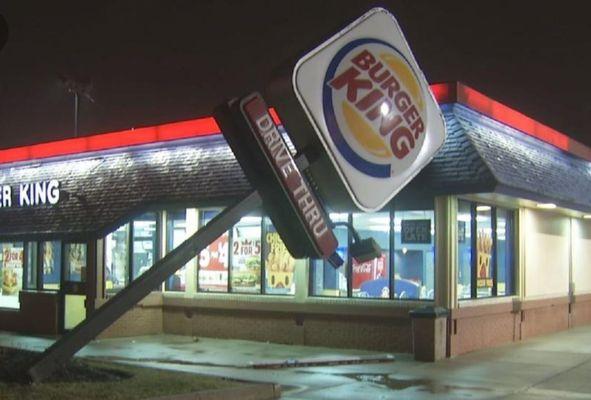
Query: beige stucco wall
[[581, 255], [547, 254]]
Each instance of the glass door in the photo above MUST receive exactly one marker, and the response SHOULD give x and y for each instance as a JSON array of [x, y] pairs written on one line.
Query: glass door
[[74, 284]]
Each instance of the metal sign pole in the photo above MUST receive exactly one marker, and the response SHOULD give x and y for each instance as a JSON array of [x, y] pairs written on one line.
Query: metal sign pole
[[73, 341]]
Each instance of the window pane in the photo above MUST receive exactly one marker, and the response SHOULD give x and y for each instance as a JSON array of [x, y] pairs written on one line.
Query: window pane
[[484, 244], [52, 258], [279, 264], [327, 280], [464, 250], [117, 259], [414, 255], [11, 274], [32, 263], [144, 243], [504, 252], [75, 262], [176, 233], [372, 278], [245, 258], [213, 261]]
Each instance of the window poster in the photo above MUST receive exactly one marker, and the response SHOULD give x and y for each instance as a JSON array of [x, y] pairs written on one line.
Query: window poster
[[51, 264], [246, 255], [213, 265], [76, 261], [484, 245], [279, 265], [11, 263]]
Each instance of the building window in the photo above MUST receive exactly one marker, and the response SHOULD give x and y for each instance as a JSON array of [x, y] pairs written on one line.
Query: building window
[[31, 266], [51, 262], [504, 252], [414, 254], [327, 280], [75, 262], [279, 264], [145, 243], [404, 270], [464, 250], [176, 233], [245, 256], [213, 260], [372, 278], [117, 259], [485, 251], [11, 273]]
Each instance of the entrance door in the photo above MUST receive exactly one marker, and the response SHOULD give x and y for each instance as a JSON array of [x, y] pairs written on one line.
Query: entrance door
[[73, 288]]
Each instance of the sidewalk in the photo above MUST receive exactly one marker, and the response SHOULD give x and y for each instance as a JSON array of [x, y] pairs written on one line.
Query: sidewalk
[[551, 367]]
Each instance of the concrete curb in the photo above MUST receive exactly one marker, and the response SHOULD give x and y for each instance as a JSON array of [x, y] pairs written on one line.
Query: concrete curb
[[258, 391]]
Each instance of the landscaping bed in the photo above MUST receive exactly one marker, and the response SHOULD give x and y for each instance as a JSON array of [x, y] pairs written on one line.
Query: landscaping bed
[[84, 379]]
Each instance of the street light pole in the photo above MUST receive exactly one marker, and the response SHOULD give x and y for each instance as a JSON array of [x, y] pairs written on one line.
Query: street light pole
[[77, 88]]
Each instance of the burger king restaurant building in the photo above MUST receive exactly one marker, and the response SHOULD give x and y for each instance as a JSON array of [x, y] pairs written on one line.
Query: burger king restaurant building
[[490, 243]]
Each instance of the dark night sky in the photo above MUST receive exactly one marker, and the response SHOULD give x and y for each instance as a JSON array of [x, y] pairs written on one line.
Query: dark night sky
[[158, 61]]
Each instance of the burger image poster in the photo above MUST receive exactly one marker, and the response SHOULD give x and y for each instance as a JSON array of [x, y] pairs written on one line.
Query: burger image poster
[[11, 261]]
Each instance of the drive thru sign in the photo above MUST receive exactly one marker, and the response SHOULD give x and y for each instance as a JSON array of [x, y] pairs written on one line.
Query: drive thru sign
[[370, 105]]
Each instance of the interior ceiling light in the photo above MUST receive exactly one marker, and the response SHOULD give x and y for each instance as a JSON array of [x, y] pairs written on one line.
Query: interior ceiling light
[[482, 208]]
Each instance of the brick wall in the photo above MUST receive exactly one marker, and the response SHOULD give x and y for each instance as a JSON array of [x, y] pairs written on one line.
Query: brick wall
[[292, 324], [143, 319]]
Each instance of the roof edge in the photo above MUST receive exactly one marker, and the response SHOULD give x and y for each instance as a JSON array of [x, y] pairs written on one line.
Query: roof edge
[[444, 93], [457, 92]]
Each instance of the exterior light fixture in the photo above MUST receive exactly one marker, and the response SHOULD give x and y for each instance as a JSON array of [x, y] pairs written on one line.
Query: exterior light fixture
[[482, 208], [587, 216], [546, 206]]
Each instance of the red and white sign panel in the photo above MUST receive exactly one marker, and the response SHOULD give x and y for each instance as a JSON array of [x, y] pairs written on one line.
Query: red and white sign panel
[[371, 107], [303, 199]]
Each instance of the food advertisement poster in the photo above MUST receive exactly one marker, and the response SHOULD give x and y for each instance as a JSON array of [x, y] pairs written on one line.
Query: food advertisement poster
[[213, 265], [279, 265], [11, 264]]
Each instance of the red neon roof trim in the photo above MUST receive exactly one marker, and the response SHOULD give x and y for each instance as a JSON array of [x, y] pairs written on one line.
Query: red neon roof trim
[[443, 93], [105, 141], [460, 93]]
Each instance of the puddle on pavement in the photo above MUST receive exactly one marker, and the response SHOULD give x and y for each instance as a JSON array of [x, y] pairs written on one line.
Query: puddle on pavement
[[424, 385]]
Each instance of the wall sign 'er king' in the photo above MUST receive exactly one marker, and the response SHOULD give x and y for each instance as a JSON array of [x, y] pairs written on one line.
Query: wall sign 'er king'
[[371, 108]]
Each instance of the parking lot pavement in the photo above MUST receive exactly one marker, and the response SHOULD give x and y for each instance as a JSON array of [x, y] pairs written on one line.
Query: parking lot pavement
[[556, 366]]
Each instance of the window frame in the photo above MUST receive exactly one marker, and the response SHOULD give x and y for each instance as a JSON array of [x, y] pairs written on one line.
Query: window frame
[[510, 216]]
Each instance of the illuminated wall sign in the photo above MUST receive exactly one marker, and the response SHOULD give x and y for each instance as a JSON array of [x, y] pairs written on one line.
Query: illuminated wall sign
[[30, 194], [370, 106]]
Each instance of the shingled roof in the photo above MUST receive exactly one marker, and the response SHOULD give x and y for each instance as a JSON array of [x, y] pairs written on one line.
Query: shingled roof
[[481, 155], [103, 190], [99, 192]]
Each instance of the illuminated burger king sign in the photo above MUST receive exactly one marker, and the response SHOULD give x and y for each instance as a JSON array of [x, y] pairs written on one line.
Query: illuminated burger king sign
[[371, 108]]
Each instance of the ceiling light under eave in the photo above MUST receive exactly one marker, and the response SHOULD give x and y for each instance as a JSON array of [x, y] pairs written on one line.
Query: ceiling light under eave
[[546, 206], [587, 216]]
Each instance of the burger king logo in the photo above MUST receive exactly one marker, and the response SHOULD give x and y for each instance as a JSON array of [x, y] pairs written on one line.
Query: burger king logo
[[374, 107]]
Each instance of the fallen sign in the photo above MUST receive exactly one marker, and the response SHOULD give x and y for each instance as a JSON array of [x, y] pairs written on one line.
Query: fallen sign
[[361, 97], [257, 143]]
